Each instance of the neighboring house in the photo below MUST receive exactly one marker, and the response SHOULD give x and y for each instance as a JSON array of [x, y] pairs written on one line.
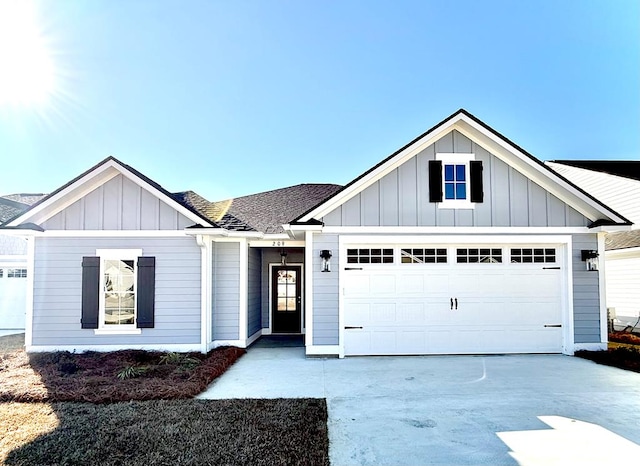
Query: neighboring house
[[617, 184], [458, 243], [13, 267]]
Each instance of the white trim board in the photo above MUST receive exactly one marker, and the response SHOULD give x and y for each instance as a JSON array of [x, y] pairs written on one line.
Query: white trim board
[[171, 347], [496, 146], [98, 176]]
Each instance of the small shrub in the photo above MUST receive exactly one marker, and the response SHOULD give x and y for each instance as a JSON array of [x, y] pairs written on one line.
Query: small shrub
[[179, 359], [131, 372]]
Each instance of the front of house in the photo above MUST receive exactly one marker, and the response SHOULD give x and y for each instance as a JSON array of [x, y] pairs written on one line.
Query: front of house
[[458, 243]]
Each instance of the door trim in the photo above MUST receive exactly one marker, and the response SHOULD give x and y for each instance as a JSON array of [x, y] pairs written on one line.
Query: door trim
[[302, 297]]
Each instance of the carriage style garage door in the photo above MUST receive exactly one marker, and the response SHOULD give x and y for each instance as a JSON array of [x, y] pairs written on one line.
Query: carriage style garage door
[[450, 299]]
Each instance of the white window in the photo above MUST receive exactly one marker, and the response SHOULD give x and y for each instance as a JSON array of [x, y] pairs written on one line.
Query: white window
[[456, 184], [16, 273], [118, 293]]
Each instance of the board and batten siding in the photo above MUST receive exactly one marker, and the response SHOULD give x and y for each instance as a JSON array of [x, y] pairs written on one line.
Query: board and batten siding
[[586, 292], [326, 321], [119, 204], [623, 283], [57, 293], [225, 322], [401, 198], [254, 321]]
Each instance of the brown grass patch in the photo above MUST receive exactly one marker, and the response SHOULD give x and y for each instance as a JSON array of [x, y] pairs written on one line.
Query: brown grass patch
[[93, 376], [22, 423], [178, 432]]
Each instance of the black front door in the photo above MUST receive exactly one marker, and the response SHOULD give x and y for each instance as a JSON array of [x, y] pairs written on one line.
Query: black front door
[[286, 298]]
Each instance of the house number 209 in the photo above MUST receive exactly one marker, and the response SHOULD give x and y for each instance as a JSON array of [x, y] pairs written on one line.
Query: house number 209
[[278, 244]]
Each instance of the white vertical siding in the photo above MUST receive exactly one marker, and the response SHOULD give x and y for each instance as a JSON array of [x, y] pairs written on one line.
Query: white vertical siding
[[119, 204], [402, 198]]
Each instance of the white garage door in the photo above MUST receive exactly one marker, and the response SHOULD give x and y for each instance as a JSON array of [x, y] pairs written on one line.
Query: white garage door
[[412, 299], [13, 295]]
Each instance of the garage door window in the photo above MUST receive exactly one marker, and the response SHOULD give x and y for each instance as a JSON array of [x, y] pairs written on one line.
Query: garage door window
[[370, 256], [423, 256], [17, 273], [478, 255], [533, 255]]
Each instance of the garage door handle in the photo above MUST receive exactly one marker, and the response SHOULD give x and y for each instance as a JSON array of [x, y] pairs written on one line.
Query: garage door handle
[[353, 328], [353, 268], [553, 325], [550, 268], [452, 304], [456, 300]]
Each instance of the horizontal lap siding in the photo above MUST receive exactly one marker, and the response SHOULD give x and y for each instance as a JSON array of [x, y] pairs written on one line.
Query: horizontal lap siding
[[623, 285], [586, 293], [325, 292], [401, 198], [226, 291], [254, 322], [57, 296]]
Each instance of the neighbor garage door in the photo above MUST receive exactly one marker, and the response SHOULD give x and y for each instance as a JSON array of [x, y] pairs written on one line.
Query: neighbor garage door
[[452, 299], [13, 295]]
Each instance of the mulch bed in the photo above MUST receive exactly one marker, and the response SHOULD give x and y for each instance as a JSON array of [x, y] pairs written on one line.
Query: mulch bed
[[93, 376], [176, 432], [623, 357]]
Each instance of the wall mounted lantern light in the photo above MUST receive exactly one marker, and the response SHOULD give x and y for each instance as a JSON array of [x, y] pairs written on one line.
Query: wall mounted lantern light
[[325, 254], [590, 257], [283, 257]]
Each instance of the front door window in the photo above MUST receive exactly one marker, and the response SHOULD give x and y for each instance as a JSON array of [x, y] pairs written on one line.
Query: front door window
[[287, 299]]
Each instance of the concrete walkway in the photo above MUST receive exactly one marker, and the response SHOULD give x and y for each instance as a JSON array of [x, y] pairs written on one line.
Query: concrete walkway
[[513, 410]]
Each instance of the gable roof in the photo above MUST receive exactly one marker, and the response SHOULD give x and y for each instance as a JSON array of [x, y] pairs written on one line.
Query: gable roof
[[269, 210], [623, 168], [91, 179], [496, 144], [621, 193]]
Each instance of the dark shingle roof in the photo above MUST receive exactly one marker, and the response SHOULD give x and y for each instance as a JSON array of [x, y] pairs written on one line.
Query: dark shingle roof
[[624, 168], [10, 208], [622, 240], [28, 199], [269, 210], [211, 210]]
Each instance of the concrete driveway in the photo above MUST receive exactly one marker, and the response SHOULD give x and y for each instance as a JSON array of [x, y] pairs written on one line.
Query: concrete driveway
[[449, 410]]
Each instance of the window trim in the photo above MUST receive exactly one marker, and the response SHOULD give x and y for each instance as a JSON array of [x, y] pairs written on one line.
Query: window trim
[[123, 329], [465, 159]]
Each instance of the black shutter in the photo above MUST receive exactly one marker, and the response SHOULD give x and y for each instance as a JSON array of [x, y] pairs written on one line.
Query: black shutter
[[146, 292], [90, 291], [477, 193], [435, 181]]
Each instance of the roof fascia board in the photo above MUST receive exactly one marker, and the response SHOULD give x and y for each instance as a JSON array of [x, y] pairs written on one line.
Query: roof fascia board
[[633, 252], [552, 182], [380, 171], [162, 196], [67, 196], [89, 182], [497, 145]]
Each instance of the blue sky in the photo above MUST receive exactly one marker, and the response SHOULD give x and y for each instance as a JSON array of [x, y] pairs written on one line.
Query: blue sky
[[235, 97]]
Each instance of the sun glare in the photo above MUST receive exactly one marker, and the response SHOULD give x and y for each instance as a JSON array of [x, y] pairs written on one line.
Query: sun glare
[[27, 74]]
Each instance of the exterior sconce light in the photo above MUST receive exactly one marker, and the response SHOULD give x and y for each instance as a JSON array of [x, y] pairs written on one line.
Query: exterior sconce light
[[590, 257], [283, 257], [325, 254]]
